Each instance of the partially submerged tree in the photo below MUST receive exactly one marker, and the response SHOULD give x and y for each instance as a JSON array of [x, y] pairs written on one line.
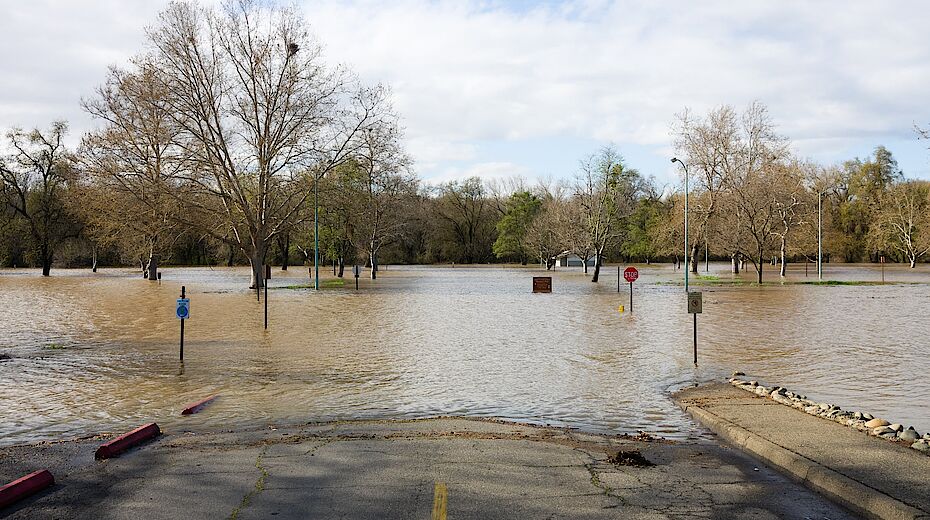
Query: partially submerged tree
[[520, 211], [710, 146], [33, 184], [386, 183], [257, 109], [903, 221], [464, 220], [606, 192], [756, 181], [792, 205], [133, 164]]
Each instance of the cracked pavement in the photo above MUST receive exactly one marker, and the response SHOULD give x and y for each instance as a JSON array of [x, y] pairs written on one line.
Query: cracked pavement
[[388, 470]]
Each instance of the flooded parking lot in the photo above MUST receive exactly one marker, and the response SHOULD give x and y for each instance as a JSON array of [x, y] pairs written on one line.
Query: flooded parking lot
[[94, 352]]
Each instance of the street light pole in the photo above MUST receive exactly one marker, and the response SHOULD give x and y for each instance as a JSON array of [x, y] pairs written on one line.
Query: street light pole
[[820, 236], [316, 231], [687, 258]]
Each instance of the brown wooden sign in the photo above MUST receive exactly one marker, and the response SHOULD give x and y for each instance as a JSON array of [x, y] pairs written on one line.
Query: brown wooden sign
[[542, 284]]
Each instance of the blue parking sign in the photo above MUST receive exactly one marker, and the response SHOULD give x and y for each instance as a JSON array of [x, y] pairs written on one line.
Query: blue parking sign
[[183, 310]]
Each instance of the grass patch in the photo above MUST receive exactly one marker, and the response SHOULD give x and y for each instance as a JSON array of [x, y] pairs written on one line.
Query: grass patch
[[335, 283], [711, 280], [54, 346], [861, 282]]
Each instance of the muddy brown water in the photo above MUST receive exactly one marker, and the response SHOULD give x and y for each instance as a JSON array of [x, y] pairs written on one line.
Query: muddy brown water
[[99, 352]]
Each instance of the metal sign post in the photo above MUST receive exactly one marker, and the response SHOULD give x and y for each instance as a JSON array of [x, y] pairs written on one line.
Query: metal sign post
[[883, 268], [695, 307], [630, 274], [356, 271], [183, 311]]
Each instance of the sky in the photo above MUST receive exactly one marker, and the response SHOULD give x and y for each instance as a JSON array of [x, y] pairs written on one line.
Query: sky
[[501, 88]]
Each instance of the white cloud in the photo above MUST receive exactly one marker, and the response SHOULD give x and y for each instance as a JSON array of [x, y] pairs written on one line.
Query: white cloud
[[619, 71], [469, 73], [486, 171]]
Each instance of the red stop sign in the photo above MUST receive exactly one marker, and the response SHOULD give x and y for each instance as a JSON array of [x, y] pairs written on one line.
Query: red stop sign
[[630, 274]]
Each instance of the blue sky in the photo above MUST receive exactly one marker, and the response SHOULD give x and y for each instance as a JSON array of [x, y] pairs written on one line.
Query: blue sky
[[498, 88]]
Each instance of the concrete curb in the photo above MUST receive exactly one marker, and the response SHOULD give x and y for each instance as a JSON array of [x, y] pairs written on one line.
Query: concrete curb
[[855, 495], [196, 407], [25, 487], [127, 440]]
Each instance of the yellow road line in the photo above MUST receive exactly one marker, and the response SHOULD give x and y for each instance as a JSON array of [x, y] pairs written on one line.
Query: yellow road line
[[439, 501]]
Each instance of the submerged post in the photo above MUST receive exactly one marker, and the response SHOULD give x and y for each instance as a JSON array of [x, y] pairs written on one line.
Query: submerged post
[[182, 311], [695, 307], [695, 339], [618, 278]]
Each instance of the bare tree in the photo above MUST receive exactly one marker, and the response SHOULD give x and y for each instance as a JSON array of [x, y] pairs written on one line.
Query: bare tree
[[542, 234], [792, 204], [386, 183], [753, 186], [133, 164], [711, 146], [903, 222], [572, 231], [34, 181], [257, 109]]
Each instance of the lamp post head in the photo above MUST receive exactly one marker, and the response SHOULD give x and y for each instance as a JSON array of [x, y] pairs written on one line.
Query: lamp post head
[[674, 159]]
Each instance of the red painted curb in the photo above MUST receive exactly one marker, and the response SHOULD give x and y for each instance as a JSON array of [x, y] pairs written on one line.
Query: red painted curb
[[127, 440], [25, 486], [195, 407]]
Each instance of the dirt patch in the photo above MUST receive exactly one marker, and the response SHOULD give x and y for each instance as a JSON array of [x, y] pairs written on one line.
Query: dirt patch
[[629, 458]]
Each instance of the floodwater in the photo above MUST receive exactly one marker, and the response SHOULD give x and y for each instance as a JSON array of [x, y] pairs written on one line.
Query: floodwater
[[99, 352]]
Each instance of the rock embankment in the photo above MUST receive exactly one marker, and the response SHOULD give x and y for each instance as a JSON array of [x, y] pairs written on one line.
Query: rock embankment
[[864, 422]]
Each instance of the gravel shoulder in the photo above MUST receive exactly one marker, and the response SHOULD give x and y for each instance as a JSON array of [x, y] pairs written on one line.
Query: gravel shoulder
[[394, 469]]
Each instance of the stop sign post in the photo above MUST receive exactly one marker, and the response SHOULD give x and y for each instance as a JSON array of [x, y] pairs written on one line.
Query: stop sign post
[[630, 274]]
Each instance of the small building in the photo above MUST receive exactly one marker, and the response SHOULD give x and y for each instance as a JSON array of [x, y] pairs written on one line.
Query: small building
[[570, 260]]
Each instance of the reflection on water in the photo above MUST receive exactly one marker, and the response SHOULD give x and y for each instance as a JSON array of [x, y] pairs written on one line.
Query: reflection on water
[[95, 352]]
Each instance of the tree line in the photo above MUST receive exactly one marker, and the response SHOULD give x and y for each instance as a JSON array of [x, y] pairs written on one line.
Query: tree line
[[231, 141]]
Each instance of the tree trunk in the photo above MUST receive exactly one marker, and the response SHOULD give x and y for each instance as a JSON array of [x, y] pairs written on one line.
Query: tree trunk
[[256, 262], [735, 262], [695, 249], [151, 268], [232, 257], [759, 265], [913, 262], [374, 264], [342, 266], [597, 267], [93, 264], [783, 263], [584, 262], [287, 252], [46, 260]]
